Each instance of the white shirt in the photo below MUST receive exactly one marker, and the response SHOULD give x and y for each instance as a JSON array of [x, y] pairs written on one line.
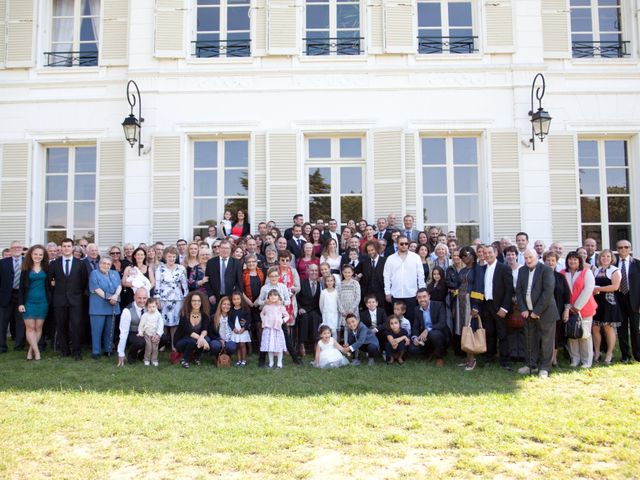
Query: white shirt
[[529, 287], [125, 324], [64, 264], [334, 235], [403, 277], [488, 280], [520, 258]]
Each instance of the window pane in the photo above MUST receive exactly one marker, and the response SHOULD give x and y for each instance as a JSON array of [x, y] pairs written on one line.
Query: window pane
[[205, 154], [467, 209], [91, 7], [593, 231], [84, 215], [460, 14], [236, 182], [85, 187], [348, 16], [204, 211], [205, 183], [350, 208], [466, 234], [57, 160], [318, 16], [350, 148], [618, 209], [319, 148], [580, 3], [615, 153], [435, 210], [351, 180], [619, 232], [465, 179], [429, 14], [236, 153], [434, 180], [208, 19], [56, 237], [208, 2], [320, 207], [617, 180], [319, 180], [55, 215], [590, 209], [62, 30], [608, 2], [235, 204], [433, 151], [238, 18], [588, 153], [87, 234], [86, 159], [464, 151], [589, 181], [62, 8], [56, 188], [581, 20], [609, 19], [86, 30]]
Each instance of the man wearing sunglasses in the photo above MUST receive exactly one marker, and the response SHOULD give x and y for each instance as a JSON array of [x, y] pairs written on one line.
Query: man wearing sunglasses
[[629, 299], [403, 276]]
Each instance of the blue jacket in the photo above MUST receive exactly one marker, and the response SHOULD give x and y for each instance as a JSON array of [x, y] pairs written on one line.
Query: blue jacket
[[243, 315], [108, 284], [362, 336]]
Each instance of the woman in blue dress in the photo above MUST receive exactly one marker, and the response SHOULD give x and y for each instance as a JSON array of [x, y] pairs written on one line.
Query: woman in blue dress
[[34, 296], [105, 287]]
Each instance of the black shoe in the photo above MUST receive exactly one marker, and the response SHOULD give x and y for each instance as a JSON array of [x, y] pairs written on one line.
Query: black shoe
[[77, 356], [95, 356], [3, 349], [18, 349], [298, 361], [107, 354], [262, 365], [507, 367]]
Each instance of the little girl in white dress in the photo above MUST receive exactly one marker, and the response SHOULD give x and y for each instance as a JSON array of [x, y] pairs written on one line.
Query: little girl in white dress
[[329, 305], [329, 351]]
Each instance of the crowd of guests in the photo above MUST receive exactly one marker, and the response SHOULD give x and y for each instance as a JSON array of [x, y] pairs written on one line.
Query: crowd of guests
[[340, 295]]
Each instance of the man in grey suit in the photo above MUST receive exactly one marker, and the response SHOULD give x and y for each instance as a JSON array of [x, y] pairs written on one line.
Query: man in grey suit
[[534, 292], [408, 230]]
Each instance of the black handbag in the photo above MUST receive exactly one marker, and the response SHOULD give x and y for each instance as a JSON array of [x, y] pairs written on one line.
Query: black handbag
[[573, 327]]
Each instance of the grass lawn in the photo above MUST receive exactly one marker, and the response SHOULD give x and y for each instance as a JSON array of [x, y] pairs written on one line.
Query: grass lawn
[[63, 419]]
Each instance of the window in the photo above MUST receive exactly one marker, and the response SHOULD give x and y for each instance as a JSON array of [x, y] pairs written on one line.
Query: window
[[450, 189], [596, 29], [445, 26], [604, 191], [222, 29], [220, 180], [333, 27], [75, 33], [335, 176], [70, 193]]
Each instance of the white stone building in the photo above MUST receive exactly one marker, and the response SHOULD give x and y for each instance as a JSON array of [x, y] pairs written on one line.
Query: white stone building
[[400, 106]]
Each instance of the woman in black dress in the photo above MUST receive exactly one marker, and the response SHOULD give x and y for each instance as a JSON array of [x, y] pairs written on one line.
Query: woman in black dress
[[608, 315]]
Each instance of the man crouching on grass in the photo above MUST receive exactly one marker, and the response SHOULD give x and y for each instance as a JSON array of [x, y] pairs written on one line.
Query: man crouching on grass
[[359, 337]]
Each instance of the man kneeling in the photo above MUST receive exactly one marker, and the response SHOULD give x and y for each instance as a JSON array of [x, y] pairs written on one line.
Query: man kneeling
[[359, 337], [430, 333]]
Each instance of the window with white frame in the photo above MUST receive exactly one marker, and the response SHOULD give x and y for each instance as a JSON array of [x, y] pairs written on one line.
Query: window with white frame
[[335, 178], [445, 26], [222, 29], [75, 33], [596, 29], [220, 180], [605, 198], [450, 188], [70, 193], [332, 27]]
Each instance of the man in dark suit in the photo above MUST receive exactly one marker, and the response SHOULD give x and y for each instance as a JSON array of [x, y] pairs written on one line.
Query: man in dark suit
[[298, 219], [628, 297], [332, 232], [69, 278], [590, 245], [296, 243], [372, 269], [498, 290], [309, 316], [408, 230], [10, 268], [534, 293], [429, 332], [392, 246], [383, 232], [224, 273]]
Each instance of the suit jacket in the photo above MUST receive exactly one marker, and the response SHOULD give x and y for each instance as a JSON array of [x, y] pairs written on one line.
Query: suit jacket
[[326, 235], [292, 246], [232, 277], [438, 313], [288, 233], [68, 291], [6, 281], [634, 282], [542, 292], [306, 300], [373, 279], [502, 286], [361, 336], [386, 235], [414, 234], [381, 318]]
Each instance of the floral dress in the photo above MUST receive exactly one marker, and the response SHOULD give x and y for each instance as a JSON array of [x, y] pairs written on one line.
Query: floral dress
[[171, 288]]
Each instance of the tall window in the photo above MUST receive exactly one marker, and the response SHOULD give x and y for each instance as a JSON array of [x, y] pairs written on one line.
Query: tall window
[[450, 188], [220, 180], [335, 176], [74, 34], [445, 26], [222, 29], [596, 29], [70, 193], [333, 27], [604, 191]]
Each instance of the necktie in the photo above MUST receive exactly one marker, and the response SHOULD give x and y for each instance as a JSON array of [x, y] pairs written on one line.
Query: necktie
[[299, 243], [141, 311], [16, 273], [373, 263], [313, 288], [624, 284], [223, 269], [380, 235], [67, 269], [407, 234]]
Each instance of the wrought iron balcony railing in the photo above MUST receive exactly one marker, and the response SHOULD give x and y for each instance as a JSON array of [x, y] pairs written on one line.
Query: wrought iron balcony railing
[[603, 49], [222, 48], [455, 44], [71, 59], [333, 46]]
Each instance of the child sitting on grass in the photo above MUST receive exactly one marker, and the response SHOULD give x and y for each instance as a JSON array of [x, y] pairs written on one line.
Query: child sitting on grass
[[329, 351], [360, 338], [397, 341]]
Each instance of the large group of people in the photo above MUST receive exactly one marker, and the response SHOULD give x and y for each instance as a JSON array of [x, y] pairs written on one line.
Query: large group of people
[[343, 296]]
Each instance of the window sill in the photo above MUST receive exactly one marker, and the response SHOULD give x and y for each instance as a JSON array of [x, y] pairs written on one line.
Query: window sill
[[332, 58], [66, 70], [448, 57], [220, 60], [604, 61]]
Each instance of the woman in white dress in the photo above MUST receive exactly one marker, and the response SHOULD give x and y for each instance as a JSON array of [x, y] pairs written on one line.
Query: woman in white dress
[[330, 255], [329, 351], [171, 288]]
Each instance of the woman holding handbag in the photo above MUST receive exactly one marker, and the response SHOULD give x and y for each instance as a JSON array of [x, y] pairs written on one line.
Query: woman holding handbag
[[608, 316], [581, 282]]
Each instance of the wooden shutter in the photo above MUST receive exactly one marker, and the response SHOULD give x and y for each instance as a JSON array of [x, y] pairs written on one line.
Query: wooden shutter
[[410, 186], [555, 28], [282, 24], [259, 28], [169, 33], [14, 192], [166, 188], [259, 178], [282, 177], [20, 33], [115, 32], [505, 176], [3, 32], [399, 32], [387, 173], [563, 185], [376, 26], [111, 155], [498, 26]]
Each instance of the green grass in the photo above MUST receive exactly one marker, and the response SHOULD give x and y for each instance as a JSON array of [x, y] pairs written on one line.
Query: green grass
[[61, 419]]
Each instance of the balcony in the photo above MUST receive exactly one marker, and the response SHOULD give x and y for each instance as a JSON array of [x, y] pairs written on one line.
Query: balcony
[[71, 59], [333, 46], [222, 48], [435, 45], [603, 49]]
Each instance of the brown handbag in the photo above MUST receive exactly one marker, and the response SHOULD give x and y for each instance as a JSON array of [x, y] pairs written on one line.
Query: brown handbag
[[515, 320], [473, 342], [224, 360]]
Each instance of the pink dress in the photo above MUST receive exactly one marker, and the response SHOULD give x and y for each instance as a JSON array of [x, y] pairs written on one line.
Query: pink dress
[[272, 335]]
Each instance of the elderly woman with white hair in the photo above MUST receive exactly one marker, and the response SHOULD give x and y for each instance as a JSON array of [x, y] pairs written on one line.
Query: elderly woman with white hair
[[439, 258], [104, 287]]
